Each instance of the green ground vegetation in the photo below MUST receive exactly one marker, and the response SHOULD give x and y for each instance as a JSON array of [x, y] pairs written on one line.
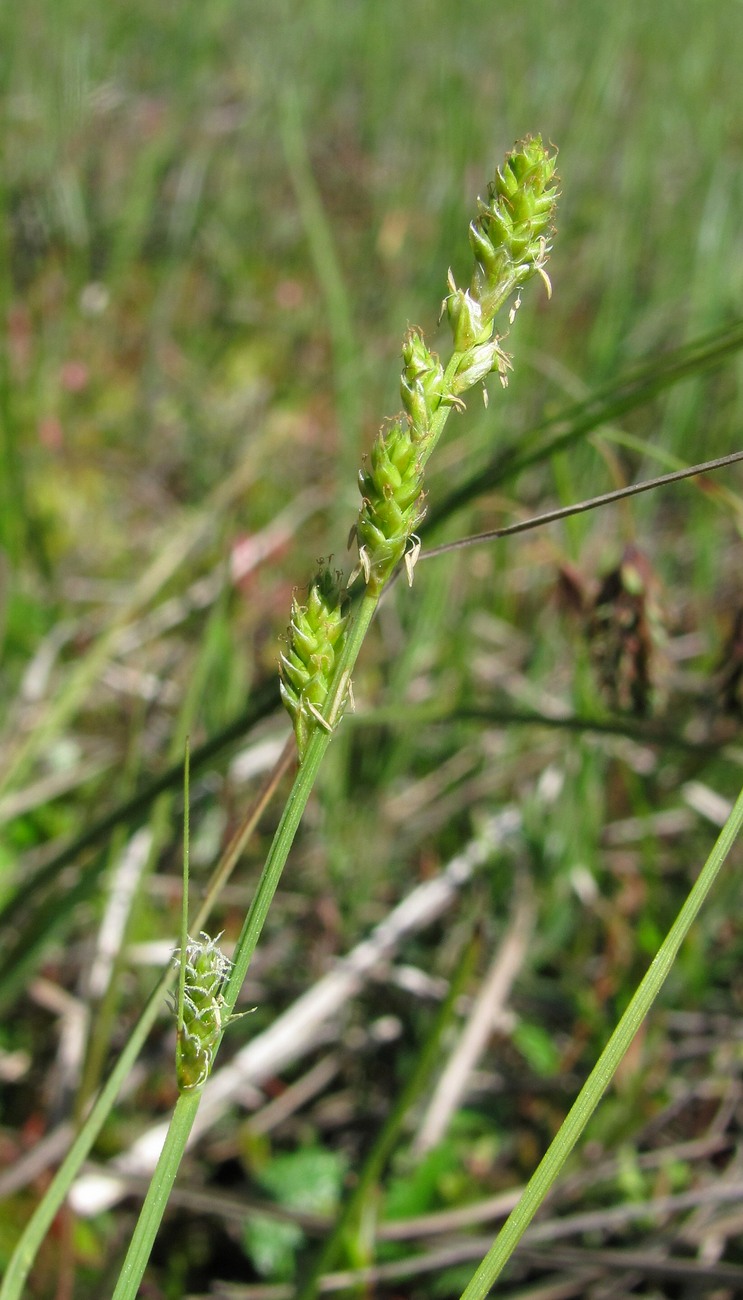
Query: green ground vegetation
[[217, 222]]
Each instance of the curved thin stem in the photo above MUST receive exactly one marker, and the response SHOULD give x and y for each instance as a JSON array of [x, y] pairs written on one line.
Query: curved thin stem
[[581, 507], [602, 1073], [42, 1218]]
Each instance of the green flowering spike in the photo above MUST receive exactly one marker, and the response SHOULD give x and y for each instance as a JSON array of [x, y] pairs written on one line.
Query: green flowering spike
[[207, 969], [510, 240], [314, 642], [510, 234], [391, 486], [421, 384]]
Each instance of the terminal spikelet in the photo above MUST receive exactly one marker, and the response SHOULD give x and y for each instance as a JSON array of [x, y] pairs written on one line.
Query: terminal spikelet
[[510, 234], [510, 240]]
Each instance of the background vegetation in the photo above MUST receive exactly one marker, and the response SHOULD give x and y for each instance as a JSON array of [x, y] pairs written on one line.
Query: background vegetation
[[217, 222]]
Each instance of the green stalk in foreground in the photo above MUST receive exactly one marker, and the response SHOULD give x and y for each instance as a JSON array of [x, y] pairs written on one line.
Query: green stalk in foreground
[[603, 1072], [509, 238], [42, 1218]]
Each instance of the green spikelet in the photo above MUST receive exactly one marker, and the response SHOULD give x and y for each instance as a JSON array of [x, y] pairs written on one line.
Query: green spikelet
[[509, 238], [314, 639], [391, 486], [511, 231], [421, 384], [206, 969]]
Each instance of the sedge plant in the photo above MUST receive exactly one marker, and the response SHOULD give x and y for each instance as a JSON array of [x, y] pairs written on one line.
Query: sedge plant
[[510, 239]]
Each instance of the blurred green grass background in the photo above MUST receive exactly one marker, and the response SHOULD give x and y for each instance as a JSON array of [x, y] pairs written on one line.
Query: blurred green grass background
[[145, 157], [217, 222]]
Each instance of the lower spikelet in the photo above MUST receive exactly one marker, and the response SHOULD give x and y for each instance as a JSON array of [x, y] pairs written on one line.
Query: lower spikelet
[[314, 641], [206, 970], [391, 486]]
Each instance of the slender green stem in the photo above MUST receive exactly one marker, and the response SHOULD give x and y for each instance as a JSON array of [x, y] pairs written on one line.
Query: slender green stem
[[43, 1216], [184, 897], [297, 801], [598, 1080], [274, 865], [157, 1196], [38, 1225], [581, 507], [181, 1123], [146, 1228]]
